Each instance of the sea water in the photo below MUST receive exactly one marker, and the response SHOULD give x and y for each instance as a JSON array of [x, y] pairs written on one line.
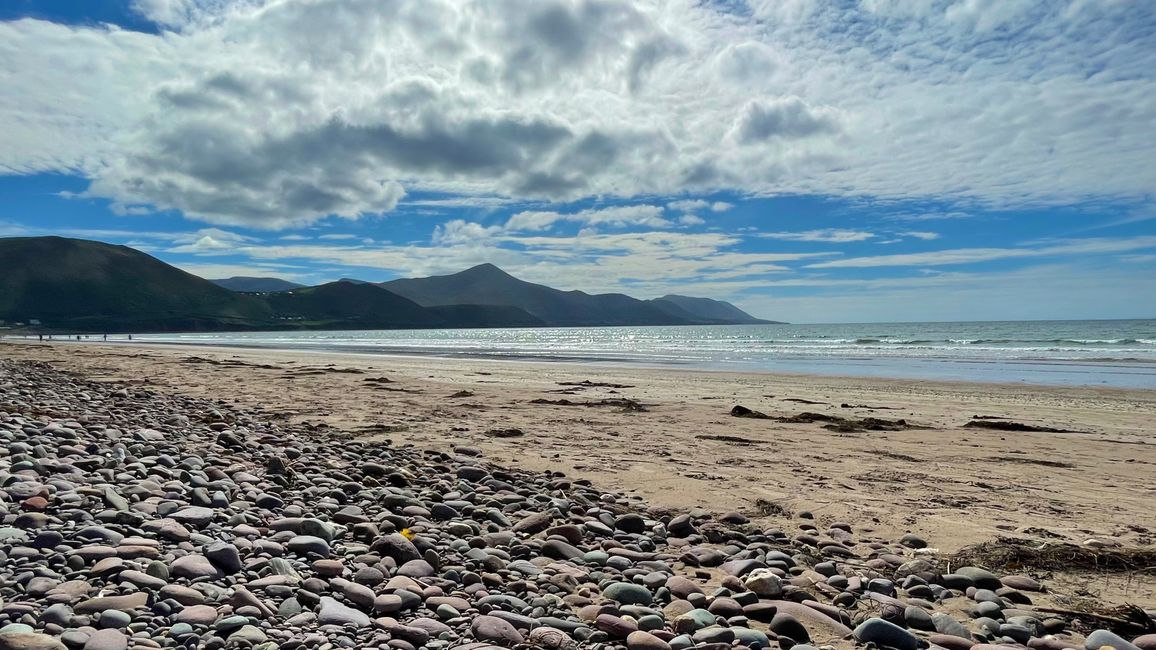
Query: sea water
[[1120, 353]]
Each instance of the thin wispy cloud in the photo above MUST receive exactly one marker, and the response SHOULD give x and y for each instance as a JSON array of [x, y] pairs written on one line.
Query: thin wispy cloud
[[1077, 247], [829, 235]]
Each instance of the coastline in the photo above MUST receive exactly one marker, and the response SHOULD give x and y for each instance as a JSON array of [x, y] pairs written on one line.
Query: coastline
[[933, 477]]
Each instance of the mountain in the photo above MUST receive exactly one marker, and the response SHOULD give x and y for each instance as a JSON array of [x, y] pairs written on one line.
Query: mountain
[[487, 284], [87, 286], [706, 309], [92, 286], [351, 305], [485, 316], [256, 285]]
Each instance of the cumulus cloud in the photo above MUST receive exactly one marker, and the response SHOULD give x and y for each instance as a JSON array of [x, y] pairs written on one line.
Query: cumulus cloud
[[787, 117], [252, 114]]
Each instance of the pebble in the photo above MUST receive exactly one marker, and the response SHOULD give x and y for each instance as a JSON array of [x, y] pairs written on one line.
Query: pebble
[[881, 632]]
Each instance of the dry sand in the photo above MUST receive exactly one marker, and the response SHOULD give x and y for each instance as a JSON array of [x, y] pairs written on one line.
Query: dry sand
[[955, 486]]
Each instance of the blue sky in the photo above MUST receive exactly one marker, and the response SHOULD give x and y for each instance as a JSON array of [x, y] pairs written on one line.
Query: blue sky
[[869, 160]]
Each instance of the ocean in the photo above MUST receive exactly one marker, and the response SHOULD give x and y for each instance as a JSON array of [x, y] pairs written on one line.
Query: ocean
[[1118, 353]]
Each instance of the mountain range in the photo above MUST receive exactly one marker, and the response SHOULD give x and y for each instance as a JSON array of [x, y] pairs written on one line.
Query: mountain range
[[89, 286]]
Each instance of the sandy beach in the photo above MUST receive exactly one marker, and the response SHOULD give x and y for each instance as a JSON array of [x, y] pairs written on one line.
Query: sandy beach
[[677, 485], [933, 476]]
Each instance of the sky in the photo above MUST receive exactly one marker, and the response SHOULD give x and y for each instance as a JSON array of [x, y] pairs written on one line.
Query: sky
[[809, 161]]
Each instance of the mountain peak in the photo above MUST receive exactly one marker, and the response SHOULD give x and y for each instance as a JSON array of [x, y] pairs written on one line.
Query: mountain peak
[[486, 269]]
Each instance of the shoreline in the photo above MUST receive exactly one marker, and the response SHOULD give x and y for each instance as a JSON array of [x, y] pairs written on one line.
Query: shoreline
[[689, 368]]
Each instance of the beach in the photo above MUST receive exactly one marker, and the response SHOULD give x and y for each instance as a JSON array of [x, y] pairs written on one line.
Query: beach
[[935, 476], [212, 497]]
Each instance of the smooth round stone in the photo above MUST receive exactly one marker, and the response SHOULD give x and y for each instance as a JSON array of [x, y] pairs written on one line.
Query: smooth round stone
[[107, 639], [631, 523], [1100, 638], [111, 618], [30, 641], [329, 568], [988, 609], [880, 632], [945, 624], [751, 638], [786, 625], [681, 587], [651, 622], [194, 567], [197, 615], [1022, 583], [308, 545], [416, 569], [193, 515], [495, 630], [224, 556], [250, 634], [335, 613], [141, 580], [628, 593], [125, 603], [911, 540], [641, 640], [918, 618], [981, 578], [1146, 642]]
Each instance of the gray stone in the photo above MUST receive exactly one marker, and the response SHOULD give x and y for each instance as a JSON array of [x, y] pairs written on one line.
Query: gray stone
[[108, 639], [334, 613], [193, 567], [1100, 638], [306, 545], [880, 632], [495, 630], [628, 593]]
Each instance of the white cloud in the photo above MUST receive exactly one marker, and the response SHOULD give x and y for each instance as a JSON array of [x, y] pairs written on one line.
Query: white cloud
[[337, 236], [239, 114], [783, 118], [460, 231], [828, 235], [921, 234], [616, 216], [690, 220], [688, 205], [928, 216], [1071, 247]]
